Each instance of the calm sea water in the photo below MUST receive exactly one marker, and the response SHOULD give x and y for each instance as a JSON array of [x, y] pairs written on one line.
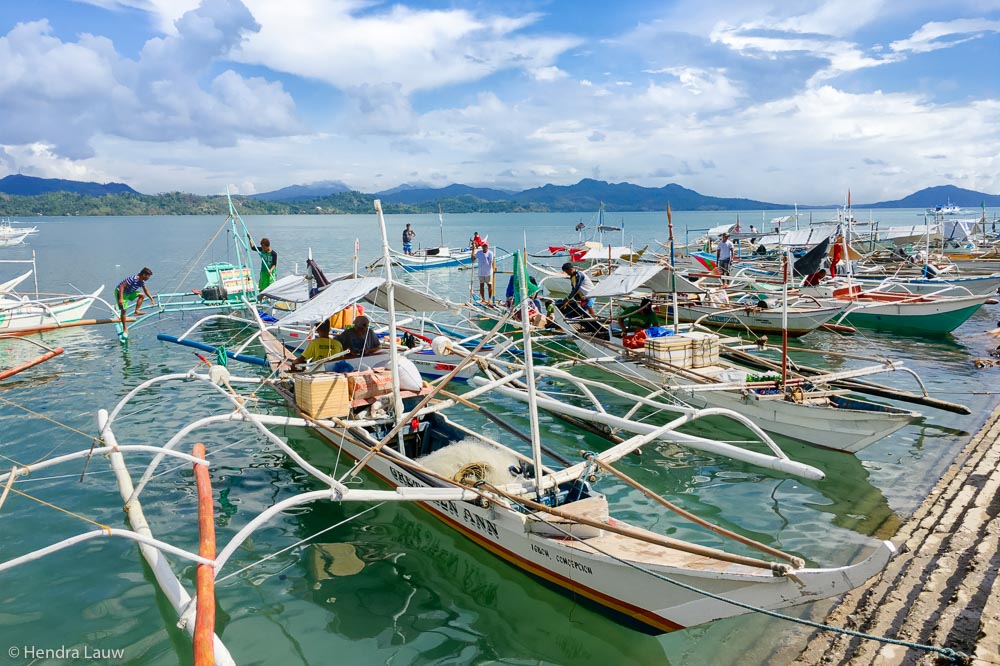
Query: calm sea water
[[425, 595]]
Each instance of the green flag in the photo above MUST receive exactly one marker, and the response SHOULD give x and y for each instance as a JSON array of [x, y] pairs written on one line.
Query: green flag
[[521, 266]]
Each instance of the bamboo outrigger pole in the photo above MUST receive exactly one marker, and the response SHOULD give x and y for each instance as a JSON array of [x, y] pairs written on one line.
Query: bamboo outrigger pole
[[204, 627]]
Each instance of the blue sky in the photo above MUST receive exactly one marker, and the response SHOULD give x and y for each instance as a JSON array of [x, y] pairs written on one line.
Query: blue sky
[[786, 101]]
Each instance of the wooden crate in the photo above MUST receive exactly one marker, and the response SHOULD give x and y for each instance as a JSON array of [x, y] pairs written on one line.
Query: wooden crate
[[672, 349], [369, 383], [705, 348], [322, 395]]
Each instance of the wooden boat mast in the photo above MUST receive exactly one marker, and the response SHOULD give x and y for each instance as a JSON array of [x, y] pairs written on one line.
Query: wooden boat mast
[[390, 295], [529, 372]]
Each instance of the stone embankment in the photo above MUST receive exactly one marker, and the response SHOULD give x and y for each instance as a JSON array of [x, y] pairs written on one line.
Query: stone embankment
[[943, 588]]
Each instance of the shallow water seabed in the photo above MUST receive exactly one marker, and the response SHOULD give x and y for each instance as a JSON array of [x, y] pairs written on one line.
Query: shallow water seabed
[[425, 595]]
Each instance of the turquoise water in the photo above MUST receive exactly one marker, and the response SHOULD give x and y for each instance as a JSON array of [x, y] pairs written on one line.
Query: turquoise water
[[425, 595]]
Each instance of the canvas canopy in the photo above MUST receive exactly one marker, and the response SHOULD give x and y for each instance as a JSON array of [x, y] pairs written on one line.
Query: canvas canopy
[[332, 300], [294, 288], [605, 252], [409, 299], [799, 237], [657, 279]]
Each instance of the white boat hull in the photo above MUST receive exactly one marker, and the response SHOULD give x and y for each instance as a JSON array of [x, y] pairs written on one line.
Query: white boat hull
[[18, 316], [629, 594]]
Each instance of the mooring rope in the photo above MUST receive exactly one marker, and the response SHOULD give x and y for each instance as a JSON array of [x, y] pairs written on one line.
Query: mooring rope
[[50, 419], [59, 508]]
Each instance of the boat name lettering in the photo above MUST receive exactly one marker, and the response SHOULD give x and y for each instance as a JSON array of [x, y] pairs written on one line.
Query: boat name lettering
[[540, 551], [447, 507], [444, 366], [573, 564], [404, 480], [480, 523]]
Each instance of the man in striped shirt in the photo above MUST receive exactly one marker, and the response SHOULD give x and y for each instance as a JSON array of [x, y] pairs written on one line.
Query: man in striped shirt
[[133, 289]]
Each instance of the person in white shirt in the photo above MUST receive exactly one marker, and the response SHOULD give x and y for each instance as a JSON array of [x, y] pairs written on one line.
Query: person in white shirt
[[580, 286], [724, 254], [484, 269]]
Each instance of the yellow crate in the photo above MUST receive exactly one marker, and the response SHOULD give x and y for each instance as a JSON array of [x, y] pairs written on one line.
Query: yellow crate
[[322, 395]]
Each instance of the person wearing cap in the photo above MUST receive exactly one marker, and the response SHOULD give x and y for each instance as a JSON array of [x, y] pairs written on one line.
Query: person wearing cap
[[360, 339], [724, 254], [484, 269]]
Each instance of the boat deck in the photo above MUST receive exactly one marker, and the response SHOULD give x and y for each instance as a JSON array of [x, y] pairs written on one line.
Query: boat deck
[[639, 551]]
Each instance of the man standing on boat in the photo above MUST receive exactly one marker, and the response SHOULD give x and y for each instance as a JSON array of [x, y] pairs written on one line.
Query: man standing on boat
[[268, 262], [724, 254], [484, 269], [408, 236], [133, 289]]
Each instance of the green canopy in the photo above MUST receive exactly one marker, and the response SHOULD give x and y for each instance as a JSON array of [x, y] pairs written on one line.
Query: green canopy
[[521, 266]]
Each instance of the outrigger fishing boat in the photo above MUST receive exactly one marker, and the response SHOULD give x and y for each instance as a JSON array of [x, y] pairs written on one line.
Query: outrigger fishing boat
[[690, 367], [755, 312], [24, 313], [936, 313], [519, 506], [229, 286]]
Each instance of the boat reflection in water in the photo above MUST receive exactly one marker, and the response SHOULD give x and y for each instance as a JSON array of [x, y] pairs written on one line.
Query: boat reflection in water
[[424, 588]]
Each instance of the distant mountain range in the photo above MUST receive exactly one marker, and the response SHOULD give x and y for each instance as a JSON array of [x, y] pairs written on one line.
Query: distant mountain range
[[416, 195], [29, 186], [589, 194], [930, 197], [27, 195], [323, 188]]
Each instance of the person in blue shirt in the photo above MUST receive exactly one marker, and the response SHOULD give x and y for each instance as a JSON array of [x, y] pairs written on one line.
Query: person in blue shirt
[[133, 288]]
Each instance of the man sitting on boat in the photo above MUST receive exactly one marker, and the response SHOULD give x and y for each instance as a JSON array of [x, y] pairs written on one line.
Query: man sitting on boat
[[477, 241], [639, 316], [360, 339], [320, 347]]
